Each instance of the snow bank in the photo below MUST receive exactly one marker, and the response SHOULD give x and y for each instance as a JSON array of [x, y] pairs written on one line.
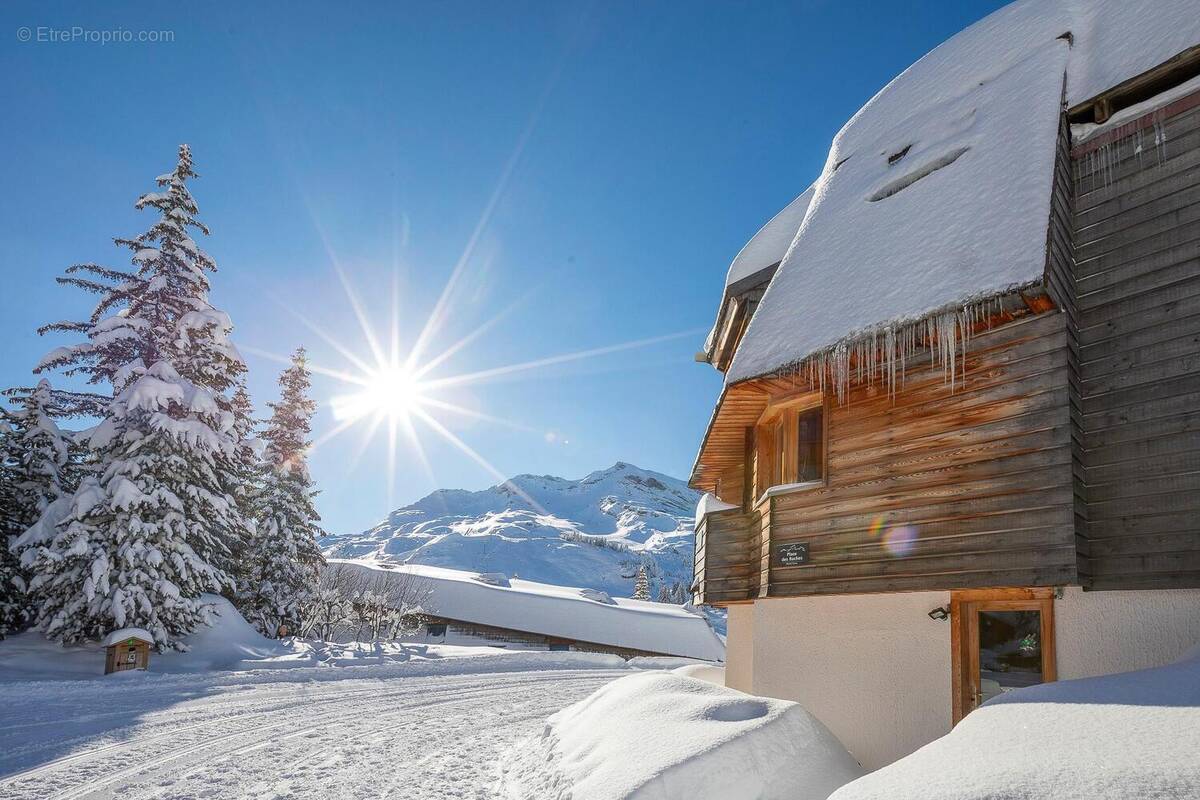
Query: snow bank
[[1132, 735], [703, 672], [230, 643], [936, 193], [708, 742], [560, 611]]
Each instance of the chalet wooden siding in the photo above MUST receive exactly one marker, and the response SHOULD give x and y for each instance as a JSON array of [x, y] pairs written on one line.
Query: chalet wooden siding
[[1060, 285], [980, 479], [727, 556], [1137, 271]]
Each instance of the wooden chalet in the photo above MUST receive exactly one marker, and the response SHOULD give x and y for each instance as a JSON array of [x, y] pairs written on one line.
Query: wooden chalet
[[1006, 490]]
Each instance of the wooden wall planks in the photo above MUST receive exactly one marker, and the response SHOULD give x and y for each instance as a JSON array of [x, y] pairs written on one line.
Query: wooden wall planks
[[1136, 222]]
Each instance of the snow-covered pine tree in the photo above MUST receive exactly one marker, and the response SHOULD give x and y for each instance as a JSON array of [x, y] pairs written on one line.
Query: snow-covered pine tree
[[664, 593], [287, 559], [679, 594], [36, 469], [155, 526], [641, 587], [246, 472]]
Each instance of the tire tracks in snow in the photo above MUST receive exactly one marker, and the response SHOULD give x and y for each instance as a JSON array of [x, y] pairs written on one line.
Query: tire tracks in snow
[[256, 724]]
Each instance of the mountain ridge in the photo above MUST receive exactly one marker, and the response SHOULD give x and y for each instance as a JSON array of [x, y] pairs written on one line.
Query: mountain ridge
[[594, 532]]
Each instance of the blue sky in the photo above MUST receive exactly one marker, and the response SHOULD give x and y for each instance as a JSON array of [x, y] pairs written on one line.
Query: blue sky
[[643, 143]]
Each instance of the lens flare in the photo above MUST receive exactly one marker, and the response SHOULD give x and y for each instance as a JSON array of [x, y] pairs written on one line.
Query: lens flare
[[876, 529], [900, 541]]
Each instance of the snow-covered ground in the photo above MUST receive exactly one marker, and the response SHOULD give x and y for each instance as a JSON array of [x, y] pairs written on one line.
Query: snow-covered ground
[[423, 729]]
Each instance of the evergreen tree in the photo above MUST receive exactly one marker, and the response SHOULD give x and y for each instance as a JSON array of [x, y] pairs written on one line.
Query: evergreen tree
[[641, 587], [155, 526], [246, 472], [287, 559], [35, 470], [679, 594]]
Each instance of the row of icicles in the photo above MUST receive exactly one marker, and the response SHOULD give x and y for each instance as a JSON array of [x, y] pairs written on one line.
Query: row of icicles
[[1102, 163], [884, 354]]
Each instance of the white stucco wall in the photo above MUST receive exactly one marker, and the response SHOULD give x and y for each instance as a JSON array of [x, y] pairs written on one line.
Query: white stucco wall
[[874, 668], [739, 648], [1099, 633]]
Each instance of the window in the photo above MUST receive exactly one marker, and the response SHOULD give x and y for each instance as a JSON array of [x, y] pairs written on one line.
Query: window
[[810, 441], [560, 647], [436, 629], [791, 447]]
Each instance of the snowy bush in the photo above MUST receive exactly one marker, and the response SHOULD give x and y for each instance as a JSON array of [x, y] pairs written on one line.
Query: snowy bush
[[355, 604]]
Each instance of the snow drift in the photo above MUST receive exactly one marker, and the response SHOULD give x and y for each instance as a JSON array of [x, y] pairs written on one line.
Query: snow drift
[[707, 742], [227, 643], [1131, 735]]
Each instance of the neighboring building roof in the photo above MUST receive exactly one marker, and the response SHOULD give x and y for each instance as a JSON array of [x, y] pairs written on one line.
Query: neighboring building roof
[[562, 611], [936, 193], [118, 636]]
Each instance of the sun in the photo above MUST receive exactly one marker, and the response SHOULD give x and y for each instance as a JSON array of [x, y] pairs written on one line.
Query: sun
[[393, 393]]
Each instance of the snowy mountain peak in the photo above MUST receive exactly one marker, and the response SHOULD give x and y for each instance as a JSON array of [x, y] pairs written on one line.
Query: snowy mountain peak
[[594, 532]]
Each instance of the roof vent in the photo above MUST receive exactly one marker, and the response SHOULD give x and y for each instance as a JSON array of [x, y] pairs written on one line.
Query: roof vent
[[899, 154]]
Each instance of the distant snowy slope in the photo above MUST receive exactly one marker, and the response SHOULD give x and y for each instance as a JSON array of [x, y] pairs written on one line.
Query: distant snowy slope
[[594, 532]]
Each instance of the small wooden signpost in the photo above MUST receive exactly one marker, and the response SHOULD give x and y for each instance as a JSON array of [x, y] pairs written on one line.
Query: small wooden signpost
[[127, 648]]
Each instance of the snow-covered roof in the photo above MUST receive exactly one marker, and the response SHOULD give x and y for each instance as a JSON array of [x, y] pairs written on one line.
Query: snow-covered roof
[[937, 192], [768, 247], [562, 611], [122, 634]]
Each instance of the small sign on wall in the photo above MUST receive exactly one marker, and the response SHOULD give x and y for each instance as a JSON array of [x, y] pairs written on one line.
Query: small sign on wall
[[792, 554]]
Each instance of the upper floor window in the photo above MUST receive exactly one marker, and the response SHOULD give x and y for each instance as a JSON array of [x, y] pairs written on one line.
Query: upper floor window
[[810, 445], [790, 447]]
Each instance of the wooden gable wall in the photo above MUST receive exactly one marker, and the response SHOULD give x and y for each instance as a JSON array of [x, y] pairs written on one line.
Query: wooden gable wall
[[1136, 222], [934, 489]]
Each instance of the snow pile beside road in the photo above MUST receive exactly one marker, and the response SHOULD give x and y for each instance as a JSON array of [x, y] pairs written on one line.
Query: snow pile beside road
[[708, 742], [1131, 735], [703, 672]]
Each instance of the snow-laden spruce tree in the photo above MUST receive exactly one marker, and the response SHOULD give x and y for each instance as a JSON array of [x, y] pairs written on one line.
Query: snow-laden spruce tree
[[641, 587], [155, 526], [287, 560], [245, 470], [36, 469]]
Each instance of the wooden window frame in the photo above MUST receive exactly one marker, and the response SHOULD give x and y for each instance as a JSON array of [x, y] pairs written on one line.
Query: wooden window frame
[[775, 468], [964, 637]]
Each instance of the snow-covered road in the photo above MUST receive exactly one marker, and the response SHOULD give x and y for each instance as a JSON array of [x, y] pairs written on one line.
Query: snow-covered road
[[392, 734]]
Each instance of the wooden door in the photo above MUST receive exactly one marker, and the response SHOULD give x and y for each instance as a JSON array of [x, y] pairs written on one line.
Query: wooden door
[[1001, 640]]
